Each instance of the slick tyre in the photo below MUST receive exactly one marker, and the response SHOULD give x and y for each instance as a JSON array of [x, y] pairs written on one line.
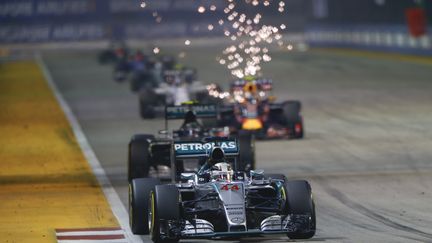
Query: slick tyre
[[139, 194], [246, 160], [292, 118], [147, 102], [146, 109], [163, 206], [300, 202], [139, 157], [291, 110], [135, 84]]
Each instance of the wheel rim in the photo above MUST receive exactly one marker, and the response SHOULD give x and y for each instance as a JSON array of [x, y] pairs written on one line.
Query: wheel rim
[[283, 194], [151, 215]]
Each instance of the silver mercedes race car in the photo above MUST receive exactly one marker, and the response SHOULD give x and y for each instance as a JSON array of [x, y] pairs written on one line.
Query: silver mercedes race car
[[218, 201]]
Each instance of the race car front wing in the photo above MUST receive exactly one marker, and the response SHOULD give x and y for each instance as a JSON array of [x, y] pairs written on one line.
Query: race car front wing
[[276, 224]]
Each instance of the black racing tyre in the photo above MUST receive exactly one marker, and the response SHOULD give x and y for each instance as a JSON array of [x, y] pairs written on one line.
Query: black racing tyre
[[147, 110], [291, 110], [292, 118], [300, 201], [148, 100], [120, 75], [139, 194], [163, 205], [135, 83], [121, 71], [139, 159], [246, 161]]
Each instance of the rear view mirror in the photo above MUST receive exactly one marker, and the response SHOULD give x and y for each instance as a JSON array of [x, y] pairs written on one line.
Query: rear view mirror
[[186, 177]]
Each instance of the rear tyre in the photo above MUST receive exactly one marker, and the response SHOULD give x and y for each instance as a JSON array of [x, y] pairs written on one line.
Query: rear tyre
[[139, 194], [247, 151], [147, 102], [163, 206], [147, 111], [121, 71], [293, 119], [139, 157], [135, 83], [300, 202]]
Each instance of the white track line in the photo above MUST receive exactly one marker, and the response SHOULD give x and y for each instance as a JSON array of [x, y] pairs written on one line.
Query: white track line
[[113, 198], [92, 241]]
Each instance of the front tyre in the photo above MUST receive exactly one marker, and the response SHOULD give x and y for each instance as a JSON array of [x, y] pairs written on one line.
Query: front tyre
[[163, 209], [300, 202], [139, 192]]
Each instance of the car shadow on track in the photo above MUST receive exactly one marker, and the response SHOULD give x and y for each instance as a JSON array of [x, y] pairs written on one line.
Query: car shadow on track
[[266, 240]]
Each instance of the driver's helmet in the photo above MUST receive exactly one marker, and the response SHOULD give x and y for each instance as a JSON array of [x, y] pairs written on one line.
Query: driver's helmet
[[170, 79], [190, 127], [250, 90], [222, 172]]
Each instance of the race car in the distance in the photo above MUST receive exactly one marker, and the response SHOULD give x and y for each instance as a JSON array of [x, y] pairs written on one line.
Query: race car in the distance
[[116, 52], [249, 107], [149, 153], [220, 201], [177, 86]]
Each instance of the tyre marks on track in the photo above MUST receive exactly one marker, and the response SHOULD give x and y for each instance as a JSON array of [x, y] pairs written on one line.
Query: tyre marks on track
[[341, 197]]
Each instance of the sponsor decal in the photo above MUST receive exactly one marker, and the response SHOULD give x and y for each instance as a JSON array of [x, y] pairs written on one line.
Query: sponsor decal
[[173, 112], [203, 146]]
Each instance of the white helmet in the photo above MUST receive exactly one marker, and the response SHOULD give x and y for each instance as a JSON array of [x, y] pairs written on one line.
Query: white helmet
[[222, 172]]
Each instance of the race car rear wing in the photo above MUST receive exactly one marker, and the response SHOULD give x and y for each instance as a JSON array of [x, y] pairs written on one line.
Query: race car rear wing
[[200, 111], [198, 149], [193, 149]]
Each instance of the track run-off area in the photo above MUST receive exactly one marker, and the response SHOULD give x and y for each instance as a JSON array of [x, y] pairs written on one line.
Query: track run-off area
[[367, 150], [45, 181]]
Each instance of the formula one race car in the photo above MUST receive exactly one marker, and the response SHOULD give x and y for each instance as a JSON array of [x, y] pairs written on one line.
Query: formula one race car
[[177, 87], [116, 52], [219, 201], [250, 108], [147, 152]]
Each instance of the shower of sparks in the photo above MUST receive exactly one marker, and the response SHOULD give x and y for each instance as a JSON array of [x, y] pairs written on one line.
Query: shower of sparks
[[242, 23], [250, 38], [156, 50]]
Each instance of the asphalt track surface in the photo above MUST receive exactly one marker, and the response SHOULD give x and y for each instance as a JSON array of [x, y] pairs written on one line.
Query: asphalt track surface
[[367, 150]]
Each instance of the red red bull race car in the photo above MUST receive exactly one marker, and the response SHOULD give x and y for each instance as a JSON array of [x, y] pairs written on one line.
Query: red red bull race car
[[249, 107]]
